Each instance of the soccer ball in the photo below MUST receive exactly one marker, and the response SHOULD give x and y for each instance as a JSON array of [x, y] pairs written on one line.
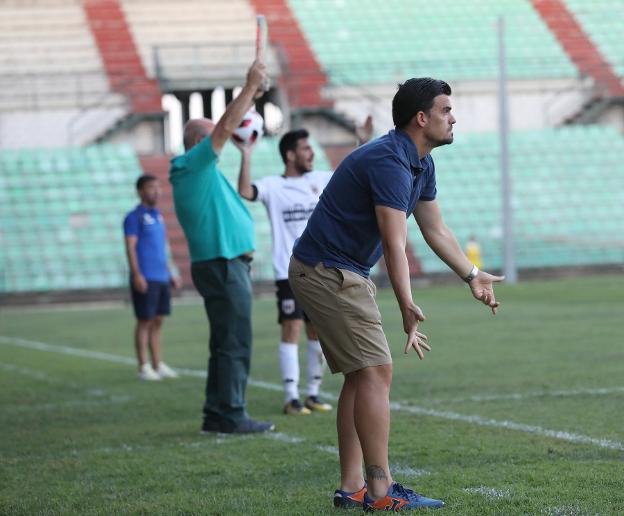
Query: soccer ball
[[250, 129]]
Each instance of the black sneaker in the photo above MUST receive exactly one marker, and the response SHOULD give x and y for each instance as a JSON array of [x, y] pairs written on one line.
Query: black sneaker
[[249, 426], [210, 426]]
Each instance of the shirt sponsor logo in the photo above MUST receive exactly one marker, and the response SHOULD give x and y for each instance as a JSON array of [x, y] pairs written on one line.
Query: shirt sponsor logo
[[148, 220], [297, 213]]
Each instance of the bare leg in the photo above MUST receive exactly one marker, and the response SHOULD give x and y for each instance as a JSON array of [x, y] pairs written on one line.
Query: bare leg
[[154, 340], [311, 331], [351, 478], [371, 411], [141, 338], [291, 330]]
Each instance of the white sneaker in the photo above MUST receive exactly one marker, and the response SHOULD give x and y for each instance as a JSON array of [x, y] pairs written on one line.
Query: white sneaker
[[164, 371], [148, 373]]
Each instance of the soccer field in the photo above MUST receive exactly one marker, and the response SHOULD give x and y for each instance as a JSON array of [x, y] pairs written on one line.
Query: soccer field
[[521, 413]]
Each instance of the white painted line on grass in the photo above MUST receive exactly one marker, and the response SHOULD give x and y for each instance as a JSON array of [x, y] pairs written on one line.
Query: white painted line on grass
[[520, 396], [328, 449], [454, 416], [408, 471], [34, 374], [489, 492], [510, 425], [285, 438], [67, 404]]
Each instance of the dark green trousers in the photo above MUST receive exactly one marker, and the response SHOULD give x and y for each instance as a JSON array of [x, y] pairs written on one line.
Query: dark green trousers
[[225, 286]]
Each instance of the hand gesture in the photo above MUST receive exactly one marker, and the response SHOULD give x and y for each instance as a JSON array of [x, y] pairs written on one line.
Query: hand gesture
[[364, 132], [257, 77], [482, 289], [412, 315], [139, 283]]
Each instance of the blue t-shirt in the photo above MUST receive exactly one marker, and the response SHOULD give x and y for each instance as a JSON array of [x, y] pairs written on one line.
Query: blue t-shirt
[[148, 226], [342, 231]]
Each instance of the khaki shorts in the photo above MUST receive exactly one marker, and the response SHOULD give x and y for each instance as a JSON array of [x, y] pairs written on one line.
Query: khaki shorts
[[342, 306]]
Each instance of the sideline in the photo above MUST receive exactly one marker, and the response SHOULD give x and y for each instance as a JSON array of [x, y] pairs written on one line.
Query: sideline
[[399, 407]]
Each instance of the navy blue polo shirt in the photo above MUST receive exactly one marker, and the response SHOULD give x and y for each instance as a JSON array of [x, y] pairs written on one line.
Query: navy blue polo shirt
[[342, 231], [148, 226]]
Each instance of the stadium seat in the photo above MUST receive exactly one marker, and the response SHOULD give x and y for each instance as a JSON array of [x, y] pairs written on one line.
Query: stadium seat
[[355, 41]]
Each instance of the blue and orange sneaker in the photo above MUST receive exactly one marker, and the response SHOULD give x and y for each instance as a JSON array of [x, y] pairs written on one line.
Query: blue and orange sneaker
[[398, 499], [346, 500]]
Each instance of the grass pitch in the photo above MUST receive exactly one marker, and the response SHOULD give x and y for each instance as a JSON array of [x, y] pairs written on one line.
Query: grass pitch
[[521, 413]]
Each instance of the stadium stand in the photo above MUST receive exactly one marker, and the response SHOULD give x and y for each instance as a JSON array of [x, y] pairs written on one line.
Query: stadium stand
[[568, 196], [61, 212], [51, 76], [48, 57], [363, 41], [193, 44], [602, 20], [65, 67]]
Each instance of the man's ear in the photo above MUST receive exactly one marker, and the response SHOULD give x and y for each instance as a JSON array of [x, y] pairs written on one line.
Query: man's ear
[[290, 156], [421, 118]]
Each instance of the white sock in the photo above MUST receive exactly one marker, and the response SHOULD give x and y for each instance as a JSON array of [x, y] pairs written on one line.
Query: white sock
[[289, 366], [316, 364]]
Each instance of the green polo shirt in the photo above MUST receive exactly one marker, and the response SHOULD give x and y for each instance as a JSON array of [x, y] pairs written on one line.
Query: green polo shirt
[[215, 221]]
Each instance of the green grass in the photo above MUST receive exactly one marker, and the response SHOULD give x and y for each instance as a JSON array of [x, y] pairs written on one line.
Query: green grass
[[84, 436]]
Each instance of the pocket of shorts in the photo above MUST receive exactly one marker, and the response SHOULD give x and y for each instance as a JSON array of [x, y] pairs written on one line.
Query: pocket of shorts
[[351, 279]]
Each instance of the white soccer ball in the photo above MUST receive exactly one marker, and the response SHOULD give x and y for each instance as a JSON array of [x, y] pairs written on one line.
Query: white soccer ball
[[251, 128]]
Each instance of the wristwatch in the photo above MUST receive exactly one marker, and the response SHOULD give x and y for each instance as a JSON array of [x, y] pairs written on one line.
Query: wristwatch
[[472, 274]]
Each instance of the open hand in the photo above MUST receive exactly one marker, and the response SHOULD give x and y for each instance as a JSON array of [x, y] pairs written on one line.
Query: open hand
[[483, 289], [413, 315]]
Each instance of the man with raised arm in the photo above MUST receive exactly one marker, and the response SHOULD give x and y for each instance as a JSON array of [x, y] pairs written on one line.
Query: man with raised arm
[[363, 214], [220, 235]]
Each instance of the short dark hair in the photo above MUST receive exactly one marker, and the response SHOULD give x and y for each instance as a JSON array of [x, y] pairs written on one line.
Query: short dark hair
[[288, 142], [416, 95], [144, 179]]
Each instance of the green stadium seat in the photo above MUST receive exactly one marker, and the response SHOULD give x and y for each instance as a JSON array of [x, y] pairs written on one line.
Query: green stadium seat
[[458, 44]]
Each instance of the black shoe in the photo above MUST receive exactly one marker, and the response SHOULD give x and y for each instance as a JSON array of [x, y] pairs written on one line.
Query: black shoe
[[249, 426], [210, 426]]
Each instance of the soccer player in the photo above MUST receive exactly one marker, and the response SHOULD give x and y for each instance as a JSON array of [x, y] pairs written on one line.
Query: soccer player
[[362, 215], [289, 200], [220, 235], [146, 249]]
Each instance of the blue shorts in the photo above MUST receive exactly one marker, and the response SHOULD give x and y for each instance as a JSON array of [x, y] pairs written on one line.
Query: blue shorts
[[156, 301]]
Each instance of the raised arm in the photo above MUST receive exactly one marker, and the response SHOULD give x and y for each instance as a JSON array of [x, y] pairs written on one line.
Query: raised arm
[[235, 112], [245, 189], [443, 242], [393, 229]]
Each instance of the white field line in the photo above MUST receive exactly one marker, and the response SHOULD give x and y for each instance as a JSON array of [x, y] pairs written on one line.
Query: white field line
[[410, 409], [510, 425], [489, 492], [519, 396], [67, 404], [35, 375]]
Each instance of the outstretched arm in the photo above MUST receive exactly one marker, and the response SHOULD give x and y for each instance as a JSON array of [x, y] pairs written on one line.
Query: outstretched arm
[[235, 112], [443, 242], [393, 229]]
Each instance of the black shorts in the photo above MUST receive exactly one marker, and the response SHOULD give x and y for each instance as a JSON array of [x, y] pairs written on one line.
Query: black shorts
[[156, 301], [287, 307]]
